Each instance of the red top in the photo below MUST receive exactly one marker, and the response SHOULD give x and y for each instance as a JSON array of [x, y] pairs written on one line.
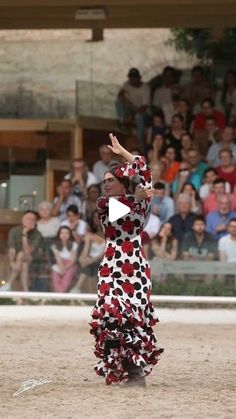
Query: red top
[[200, 120], [227, 176]]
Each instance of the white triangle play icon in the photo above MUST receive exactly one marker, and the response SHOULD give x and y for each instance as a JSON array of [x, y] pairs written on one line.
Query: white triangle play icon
[[116, 209]]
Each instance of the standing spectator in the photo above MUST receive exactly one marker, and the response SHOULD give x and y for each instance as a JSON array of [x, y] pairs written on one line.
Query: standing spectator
[[171, 164], [163, 95], [173, 138], [81, 178], [196, 167], [24, 246], [65, 253], [209, 176], [183, 221], [133, 102], [89, 206], [64, 199], [73, 221], [161, 204], [208, 109], [204, 138], [198, 244], [227, 244], [217, 221], [102, 165], [227, 169], [226, 142], [47, 225], [229, 95], [194, 91]]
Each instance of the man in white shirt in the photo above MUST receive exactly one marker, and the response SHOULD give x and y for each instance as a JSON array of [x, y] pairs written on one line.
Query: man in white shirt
[[227, 244], [227, 142], [133, 101], [163, 96]]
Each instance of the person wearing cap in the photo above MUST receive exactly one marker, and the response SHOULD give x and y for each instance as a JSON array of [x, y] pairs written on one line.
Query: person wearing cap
[[132, 103]]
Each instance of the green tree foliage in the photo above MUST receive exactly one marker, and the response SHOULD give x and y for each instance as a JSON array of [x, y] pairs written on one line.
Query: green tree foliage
[[200, 42]]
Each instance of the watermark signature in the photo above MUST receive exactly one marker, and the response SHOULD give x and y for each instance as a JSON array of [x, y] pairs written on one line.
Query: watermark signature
[[30, 384]]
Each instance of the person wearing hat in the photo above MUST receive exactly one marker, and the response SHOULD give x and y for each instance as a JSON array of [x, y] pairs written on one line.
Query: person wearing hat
[[132, 103]]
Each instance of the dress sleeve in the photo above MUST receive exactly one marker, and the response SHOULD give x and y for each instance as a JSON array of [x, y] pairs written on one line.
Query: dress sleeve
[[102, 204], [138, 167]]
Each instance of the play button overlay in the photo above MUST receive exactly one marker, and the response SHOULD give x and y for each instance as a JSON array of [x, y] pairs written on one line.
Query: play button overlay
[[116, 209]]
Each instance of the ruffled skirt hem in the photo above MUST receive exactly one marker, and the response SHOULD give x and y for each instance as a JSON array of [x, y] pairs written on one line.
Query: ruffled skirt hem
[[123, 332]]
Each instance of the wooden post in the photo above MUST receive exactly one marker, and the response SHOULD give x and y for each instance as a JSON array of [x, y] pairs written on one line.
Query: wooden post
[[78, 142]]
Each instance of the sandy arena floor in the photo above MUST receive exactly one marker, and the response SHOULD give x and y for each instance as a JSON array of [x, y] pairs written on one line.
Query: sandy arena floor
[[196, 377]]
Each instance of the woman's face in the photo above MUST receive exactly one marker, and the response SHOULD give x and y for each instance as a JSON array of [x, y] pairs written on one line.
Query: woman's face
[[177, 123], [157, 121], [225, 158], [188, 189], [64, 235], [112, 186], [167, 229], [93, 193], [45, 213], [171, 154], [186, 142], [159, 141]]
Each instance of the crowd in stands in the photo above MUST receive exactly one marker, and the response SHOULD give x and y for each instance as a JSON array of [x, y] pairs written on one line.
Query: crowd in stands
[[188, 136]]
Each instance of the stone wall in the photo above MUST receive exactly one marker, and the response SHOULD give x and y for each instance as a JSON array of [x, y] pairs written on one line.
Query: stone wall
[[39, 69]]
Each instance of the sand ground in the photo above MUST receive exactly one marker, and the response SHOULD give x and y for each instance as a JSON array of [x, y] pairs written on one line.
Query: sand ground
[[196, 376]]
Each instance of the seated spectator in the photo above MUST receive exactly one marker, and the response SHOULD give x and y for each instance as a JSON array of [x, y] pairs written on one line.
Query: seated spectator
[[164, 245], [171, 164], [209, 176], [218, 220], [186, 144], [180, 179], [157, 169], [133, 102], [227, 244], [196, 205], [184, 109], [47, 225], [24, 246], [194, 91], [161, 204], [226, 142], [207, 136], [228, 97], [198, 244], [227, 169], [183, 221], [64, 199], [73, 221], [89, 206], [151, 228], [174, 135], [91, 255], [163, 95], [208, 109], [196, 167], [210, 203], [102, 165], [157, 127], [65, 253], [81, 178]]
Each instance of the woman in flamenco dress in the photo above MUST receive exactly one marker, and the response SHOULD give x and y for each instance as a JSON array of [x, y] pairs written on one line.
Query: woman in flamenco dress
[[123, 316]]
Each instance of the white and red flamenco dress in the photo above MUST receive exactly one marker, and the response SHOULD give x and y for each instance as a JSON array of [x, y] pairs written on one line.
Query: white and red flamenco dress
[[123, 317]]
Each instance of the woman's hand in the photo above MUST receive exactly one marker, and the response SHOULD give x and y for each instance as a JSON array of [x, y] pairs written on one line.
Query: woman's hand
[[141, 193], [116, 147]]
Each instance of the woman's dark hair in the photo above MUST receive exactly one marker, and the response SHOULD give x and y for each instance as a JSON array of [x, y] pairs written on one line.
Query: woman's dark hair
[[193, 188], [125, 181], [91, 223], [58, 242], [225, 84], [73, 208], [179, 116], [94, 185]]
